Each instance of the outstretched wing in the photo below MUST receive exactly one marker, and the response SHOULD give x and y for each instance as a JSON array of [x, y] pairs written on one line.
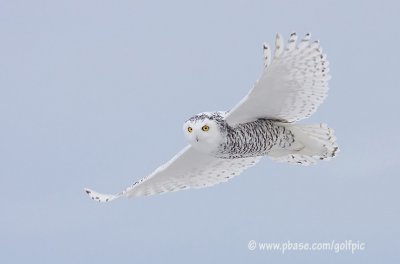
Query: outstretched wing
[[293, 84], [188, 169]]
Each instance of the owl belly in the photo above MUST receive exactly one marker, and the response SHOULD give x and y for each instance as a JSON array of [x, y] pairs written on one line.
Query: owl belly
[[254, 139]]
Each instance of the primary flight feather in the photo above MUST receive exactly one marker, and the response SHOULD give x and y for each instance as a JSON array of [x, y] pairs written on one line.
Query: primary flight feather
[[222, 145]]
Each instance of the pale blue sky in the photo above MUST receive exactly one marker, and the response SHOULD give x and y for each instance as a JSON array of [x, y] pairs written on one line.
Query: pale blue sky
[[94, 93]]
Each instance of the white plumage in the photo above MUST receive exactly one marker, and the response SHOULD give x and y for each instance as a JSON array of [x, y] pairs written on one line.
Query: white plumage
[[188, 169], [290, 88], [293, 84]]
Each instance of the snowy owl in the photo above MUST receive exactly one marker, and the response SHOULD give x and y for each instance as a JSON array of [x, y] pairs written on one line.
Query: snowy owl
[[294, 82]]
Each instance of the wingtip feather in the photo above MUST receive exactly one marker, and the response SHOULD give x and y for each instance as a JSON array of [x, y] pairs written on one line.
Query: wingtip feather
[[98, 197], [267, 55], [278, 45]]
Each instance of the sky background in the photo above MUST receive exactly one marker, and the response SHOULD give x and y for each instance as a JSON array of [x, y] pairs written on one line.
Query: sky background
[[94, 94]]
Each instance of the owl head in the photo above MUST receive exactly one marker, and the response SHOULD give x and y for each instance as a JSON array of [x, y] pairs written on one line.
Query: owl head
[[205, 131]]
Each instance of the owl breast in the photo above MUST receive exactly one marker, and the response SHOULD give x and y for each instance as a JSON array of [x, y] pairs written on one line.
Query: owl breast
[[254, 139]]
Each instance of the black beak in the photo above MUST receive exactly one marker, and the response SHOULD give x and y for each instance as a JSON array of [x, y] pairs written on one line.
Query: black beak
[[197, 139]]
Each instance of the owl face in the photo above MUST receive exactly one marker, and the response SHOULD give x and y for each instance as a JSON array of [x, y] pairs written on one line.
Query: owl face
[[203, 133]]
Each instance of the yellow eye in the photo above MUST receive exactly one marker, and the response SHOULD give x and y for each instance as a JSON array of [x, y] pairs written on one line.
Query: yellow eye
[[205, 128], [190, 129]]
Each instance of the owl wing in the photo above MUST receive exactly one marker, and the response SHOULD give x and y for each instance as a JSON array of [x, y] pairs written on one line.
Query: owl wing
[[293, 83], [188, 169]]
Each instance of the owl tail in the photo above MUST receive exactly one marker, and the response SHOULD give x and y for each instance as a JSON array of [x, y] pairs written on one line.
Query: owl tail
[[312, 142]]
